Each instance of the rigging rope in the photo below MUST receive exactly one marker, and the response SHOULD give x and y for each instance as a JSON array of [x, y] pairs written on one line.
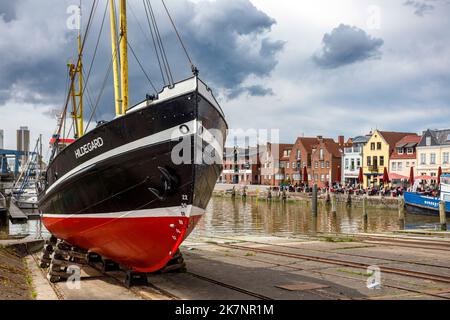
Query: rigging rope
[[160, 43], [142, 68], [72, 80], [194, 69], [154, 43]]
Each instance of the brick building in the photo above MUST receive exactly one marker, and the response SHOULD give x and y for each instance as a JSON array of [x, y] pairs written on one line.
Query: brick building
[[326, 161], [241, 166], [274, 160]]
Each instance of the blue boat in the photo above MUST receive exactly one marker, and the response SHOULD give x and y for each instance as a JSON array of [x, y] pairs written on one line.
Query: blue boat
[[430, 205]]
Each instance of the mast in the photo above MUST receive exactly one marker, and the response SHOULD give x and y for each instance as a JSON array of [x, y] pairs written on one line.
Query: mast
[[77, 112], [115, 52], [124, 55]]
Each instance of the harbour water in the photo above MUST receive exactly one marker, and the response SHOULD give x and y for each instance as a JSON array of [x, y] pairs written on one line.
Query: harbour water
[[226, 216], [249, 217]]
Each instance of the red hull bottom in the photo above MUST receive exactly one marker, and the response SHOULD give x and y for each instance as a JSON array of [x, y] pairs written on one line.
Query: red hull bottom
[[144, 244]]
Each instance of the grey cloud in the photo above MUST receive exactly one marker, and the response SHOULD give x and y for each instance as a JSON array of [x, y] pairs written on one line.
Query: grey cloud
[[229, 42], [7, 10], [255, 91], [346, 45], [421, 7]]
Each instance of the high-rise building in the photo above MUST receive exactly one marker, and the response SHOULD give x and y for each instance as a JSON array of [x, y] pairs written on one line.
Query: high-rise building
[[23, 141], [2, 146]]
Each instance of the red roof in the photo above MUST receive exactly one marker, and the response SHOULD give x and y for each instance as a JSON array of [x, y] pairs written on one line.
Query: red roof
[[406, 140]]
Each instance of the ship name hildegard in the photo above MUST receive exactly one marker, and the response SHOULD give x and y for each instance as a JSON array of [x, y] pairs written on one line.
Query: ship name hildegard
[[89, 147]]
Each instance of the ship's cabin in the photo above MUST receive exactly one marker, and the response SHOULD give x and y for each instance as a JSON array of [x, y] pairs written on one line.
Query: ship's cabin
[[445, 187]]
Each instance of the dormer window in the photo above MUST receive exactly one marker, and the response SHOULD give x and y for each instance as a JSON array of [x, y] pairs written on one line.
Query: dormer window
[[400, 150], [428, 141], [410, 151], [448, 137]]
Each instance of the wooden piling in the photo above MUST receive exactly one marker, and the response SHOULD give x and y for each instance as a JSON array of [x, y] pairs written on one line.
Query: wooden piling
[[442, 216], [365, 200], [314, 200], [333, 203], [401, 212]]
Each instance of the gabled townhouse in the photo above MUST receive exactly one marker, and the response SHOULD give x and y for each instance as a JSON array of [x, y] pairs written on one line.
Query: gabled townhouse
[[352, 159], [377, 154], [241, 166], [326, 158], [433, 152], [404, 158], [274, 160]]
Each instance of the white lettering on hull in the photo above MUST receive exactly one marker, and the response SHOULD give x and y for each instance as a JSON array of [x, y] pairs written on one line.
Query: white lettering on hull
[[89, 147]]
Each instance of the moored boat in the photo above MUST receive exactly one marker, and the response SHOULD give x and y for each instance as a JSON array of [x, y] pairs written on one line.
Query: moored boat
[[427, 204]]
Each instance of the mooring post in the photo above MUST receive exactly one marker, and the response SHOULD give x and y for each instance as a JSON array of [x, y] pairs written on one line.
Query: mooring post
[[333, 203], [442, 216], [328, 196], [314, 200], [365, 200], [349, 199], [401, 212], [233, 192]]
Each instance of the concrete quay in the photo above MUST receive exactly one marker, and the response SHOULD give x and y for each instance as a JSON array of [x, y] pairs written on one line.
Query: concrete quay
[[319, 267]]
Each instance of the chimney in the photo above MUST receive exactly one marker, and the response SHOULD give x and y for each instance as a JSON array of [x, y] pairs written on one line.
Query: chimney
[[341, 140], [320, 138]]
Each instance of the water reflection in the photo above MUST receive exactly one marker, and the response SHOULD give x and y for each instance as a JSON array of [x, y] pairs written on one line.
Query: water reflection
[[249, 217]]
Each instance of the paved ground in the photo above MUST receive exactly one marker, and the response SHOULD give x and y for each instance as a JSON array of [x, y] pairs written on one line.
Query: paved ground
[[281, 268]]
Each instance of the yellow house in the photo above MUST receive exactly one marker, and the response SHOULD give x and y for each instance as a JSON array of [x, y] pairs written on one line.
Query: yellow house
[[376, 155]]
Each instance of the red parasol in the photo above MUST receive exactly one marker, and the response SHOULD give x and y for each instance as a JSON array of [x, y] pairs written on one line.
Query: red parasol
[[361, 176], [439, 176], [411, 176], [305, 175], [386, 176]]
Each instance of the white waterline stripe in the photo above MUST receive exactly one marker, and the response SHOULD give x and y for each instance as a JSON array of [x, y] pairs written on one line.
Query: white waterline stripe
[[165, 135], [190, 211]]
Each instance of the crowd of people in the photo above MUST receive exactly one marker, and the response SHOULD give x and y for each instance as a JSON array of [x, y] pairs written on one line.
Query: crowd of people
[[385, 191]]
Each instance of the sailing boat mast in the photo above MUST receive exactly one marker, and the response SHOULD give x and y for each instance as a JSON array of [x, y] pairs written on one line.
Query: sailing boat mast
[[115, 52], [124, 55], [77, 112]]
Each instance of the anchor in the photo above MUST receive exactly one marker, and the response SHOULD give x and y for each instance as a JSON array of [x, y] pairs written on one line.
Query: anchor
[[170, 184]]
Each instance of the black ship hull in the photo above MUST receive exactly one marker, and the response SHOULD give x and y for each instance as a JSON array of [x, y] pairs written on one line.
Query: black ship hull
[[134, 188]]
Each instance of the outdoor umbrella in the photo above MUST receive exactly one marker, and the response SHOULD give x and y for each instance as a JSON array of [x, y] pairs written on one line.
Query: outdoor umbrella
[[361, 176], [411, 176], [305, 175], [439, 176], [385, 177]]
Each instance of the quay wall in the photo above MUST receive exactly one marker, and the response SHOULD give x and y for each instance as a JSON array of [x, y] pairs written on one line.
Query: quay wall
[[260, 193]]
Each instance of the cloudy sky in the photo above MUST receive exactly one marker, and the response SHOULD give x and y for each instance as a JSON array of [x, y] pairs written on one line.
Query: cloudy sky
[[322, 67]]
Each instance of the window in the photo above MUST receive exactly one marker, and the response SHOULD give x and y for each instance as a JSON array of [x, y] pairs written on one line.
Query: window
[[400, 150], [400, 166], [328, 164], [423, 158], [382, 161], [394, 166], [372, 146], [322, 165], [299, 165], [322, 178], [328, 177], [347, 164], [448, 137], [433, 158], [378, 145], [316, 164], [410, 151], [446, 158], [316, 177], [299, 154], [352, 165], [413, 164], [407, 164], [358, 161], [428, 141], [293, 165], [287, 165], [369, 161], [321, 154]]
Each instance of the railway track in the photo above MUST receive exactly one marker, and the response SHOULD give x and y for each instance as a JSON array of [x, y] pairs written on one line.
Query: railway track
[[346, 263], [347, 254]]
